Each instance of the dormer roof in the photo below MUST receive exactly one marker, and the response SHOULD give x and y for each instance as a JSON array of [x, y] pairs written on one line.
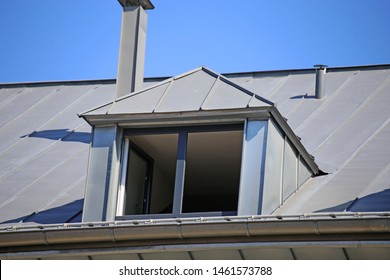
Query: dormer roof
[[198, 90]]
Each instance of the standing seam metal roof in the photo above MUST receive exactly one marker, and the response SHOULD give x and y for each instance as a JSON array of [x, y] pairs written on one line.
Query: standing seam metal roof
[[208, 91], [44, 145]]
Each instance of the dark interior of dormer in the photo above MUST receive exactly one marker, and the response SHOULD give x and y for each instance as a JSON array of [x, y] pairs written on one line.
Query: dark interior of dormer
[[212, 173]]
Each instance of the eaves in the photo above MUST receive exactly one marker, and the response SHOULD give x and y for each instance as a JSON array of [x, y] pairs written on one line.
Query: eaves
[[250, 231]]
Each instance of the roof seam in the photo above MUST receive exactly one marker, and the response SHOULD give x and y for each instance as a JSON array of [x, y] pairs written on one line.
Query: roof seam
[[30, 108], [131, 94], [281, 83], [384, 170], [212, 89], [171, 81], [296, 105], [188, 73], [71, 186], [326, 101], [53, 118], [12, 96], [40, 152], [67, 107], [16, 195], [246, 91], [356, 111], [95, 108], [331, 175]]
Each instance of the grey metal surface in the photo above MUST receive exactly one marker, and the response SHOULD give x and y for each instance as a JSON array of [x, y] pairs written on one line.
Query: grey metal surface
[[175, 235], [320, 83], [131, 50], [199, 89], [290, 171], [140, 103], [99, 173], [252, 167], [44, 150], [273, 173], [44, 145]]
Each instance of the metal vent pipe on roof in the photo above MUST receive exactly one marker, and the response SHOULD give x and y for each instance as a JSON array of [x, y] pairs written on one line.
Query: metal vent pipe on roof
[[320, 80], [132, 46]]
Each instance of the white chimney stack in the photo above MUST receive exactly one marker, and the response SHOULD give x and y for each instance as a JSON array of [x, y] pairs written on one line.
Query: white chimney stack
[[132, 46]]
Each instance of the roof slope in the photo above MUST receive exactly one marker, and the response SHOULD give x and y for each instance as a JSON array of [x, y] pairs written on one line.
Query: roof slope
[[44, 145], [209, 91]]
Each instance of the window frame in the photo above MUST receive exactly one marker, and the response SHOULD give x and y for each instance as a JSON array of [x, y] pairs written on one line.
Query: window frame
[[181, 158]]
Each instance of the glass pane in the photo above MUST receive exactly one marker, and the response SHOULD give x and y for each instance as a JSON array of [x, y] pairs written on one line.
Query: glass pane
[[135, 184], [212, 173], [162, 149]]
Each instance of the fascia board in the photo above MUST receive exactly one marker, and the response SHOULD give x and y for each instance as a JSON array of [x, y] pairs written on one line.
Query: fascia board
[[179, 118]]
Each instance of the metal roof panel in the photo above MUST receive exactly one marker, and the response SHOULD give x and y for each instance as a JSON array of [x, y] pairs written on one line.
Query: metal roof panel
[[187, 93], [140, 102], [337, 108], [347, 131], [226, 96]]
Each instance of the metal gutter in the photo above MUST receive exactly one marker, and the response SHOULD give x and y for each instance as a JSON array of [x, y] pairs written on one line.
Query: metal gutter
[[269, 227]]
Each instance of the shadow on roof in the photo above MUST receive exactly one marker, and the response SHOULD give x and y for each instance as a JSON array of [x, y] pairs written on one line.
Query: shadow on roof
[[67, 213], [305, 96], [376, 202], [64, 135]]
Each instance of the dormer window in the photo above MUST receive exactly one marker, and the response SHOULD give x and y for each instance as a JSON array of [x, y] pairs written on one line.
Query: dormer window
[[181, 171], [191, 146]]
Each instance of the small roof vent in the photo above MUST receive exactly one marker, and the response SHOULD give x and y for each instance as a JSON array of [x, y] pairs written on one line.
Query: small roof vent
[[320, 80]]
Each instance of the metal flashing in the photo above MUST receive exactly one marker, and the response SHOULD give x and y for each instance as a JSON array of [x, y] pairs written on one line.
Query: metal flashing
[[235, 232], [295, 140], [146, 4]]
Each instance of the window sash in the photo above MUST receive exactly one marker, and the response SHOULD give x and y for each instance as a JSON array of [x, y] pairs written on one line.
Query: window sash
[[181, 158]]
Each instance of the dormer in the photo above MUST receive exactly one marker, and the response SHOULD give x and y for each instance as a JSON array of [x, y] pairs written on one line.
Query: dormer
[[194, 145]]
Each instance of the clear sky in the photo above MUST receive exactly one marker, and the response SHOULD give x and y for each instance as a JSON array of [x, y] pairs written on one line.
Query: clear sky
[[45, 40]]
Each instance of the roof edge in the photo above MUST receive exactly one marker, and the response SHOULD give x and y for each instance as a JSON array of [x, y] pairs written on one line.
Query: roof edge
[[178, 229], [226, 75], [178, 118]]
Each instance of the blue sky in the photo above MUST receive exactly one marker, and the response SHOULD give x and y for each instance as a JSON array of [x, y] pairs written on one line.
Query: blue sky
[[46, 40]]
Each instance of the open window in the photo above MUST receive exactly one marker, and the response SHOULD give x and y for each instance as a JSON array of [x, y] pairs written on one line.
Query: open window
[[181, 171], [148, 173], [212, 174]]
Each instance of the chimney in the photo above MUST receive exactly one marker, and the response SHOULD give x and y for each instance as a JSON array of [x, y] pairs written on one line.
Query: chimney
[[132, 46], [320, 80]]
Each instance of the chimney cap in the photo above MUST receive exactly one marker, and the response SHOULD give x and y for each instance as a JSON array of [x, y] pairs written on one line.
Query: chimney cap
[[146, 4], [320, 66]]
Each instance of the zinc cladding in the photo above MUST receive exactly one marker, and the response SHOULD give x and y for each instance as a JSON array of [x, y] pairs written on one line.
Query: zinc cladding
[[44, 145], [200, 89]]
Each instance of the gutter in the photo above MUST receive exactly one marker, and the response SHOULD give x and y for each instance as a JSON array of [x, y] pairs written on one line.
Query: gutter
[[269, 227]]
